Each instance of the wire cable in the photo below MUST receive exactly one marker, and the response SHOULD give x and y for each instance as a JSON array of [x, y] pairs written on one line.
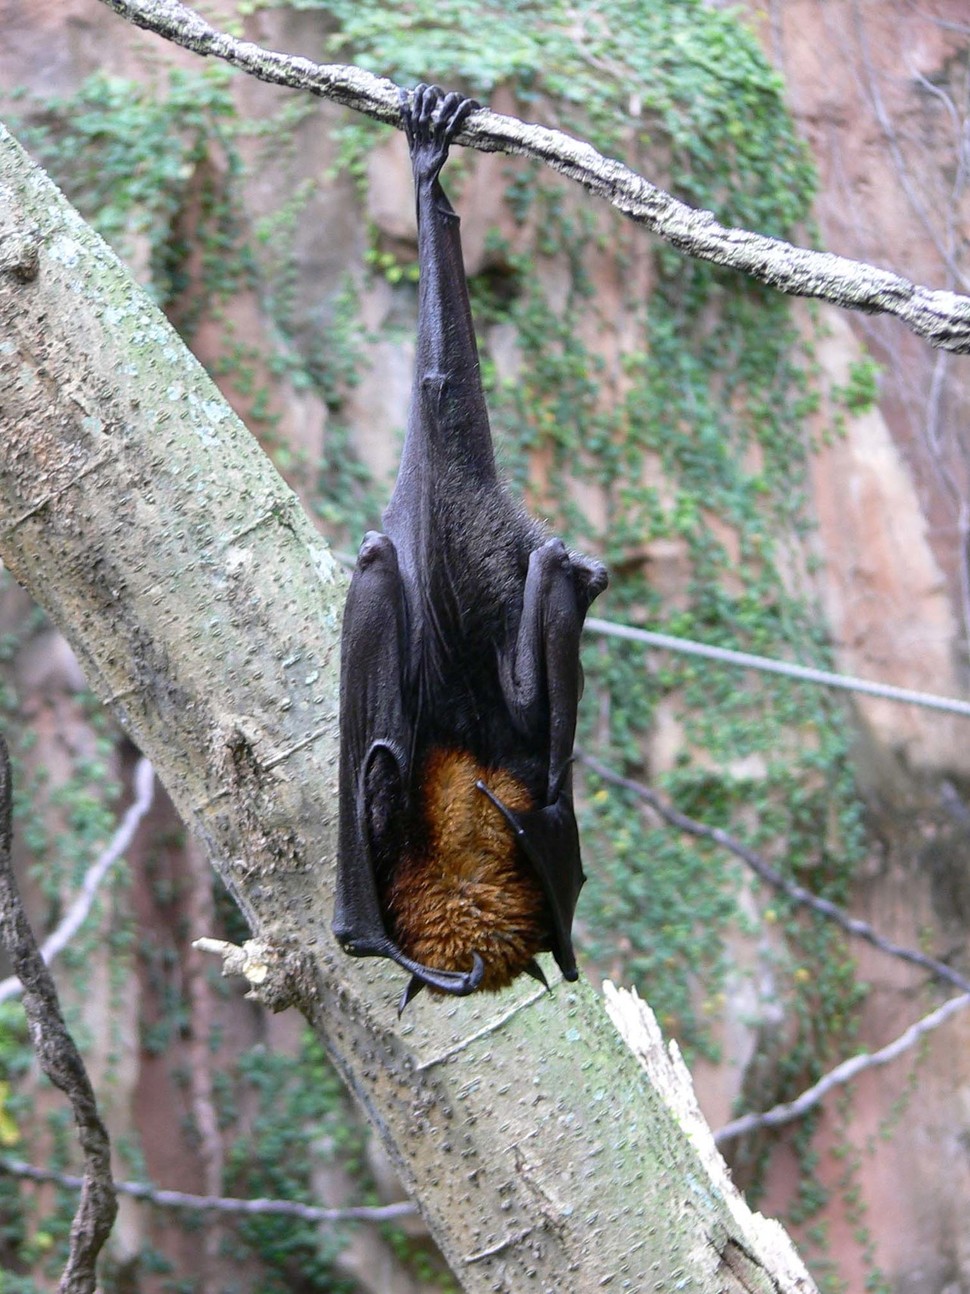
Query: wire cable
[[802, 672]]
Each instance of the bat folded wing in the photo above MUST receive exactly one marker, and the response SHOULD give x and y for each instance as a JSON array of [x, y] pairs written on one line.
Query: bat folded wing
[[549, 838]]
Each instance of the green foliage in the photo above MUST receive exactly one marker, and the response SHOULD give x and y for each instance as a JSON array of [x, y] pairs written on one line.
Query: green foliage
[[10, 1282], [300, 1124], [861, 391], [695, 438], [131, 157], [347, 500]]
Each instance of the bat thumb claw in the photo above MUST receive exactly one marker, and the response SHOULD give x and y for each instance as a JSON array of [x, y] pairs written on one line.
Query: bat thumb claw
[[535, 970], [457, 983], [415, 985]]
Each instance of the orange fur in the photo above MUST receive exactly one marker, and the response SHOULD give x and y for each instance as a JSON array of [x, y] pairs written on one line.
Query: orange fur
[[463, 892]]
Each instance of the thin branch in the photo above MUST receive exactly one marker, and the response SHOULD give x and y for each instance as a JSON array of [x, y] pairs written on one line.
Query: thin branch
[[758, 864], [849, 1069], [842, 1074], [60, 1061], [77, 913], [906, 181], [219, 1203], [941, 317]]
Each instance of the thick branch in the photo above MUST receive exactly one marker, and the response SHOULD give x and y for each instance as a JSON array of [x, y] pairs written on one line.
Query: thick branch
[[941, 317], [61, 1062]]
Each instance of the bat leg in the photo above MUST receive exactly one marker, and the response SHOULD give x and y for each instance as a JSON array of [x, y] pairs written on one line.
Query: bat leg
[[542, 676]]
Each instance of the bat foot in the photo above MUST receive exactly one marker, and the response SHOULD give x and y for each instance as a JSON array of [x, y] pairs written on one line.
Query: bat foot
[[432, 119], [454, 983]]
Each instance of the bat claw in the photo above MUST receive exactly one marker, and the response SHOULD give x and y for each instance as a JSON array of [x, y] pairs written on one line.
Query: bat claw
[[504, 809], [415, 985], [455, 983], [535, 970], [431, 121]]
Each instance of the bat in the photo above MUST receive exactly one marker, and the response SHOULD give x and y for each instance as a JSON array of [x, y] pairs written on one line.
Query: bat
[[458, 847]]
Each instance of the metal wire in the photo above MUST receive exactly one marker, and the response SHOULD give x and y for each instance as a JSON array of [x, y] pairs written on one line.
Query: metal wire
[[764, 663]]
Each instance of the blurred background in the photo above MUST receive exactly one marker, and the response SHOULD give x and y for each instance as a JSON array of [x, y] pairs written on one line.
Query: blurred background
[[762, 474]]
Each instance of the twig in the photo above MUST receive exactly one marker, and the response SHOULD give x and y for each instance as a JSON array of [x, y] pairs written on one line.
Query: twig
[[759, 865], [941, 317], [843, 1073], [76, 914], [61, 1062], [848, 1069], [219, 1203]]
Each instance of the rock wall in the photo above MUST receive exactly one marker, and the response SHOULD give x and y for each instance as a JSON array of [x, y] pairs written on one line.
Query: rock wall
[[881, 91]]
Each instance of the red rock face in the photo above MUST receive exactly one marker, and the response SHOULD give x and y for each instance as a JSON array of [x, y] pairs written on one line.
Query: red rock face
[[881, 92]]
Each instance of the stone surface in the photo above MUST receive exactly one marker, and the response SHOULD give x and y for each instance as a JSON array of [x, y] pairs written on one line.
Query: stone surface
[[879, 90]]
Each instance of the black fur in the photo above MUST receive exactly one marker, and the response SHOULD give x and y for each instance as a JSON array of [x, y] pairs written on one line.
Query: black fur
[[462, 624]]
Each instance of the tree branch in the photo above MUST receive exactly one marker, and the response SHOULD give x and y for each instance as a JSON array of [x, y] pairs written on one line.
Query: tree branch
[[218, 1203], [941, 317], [844, 1073], [848, 1069], [762, 868], [76, 914], [60, 1061]]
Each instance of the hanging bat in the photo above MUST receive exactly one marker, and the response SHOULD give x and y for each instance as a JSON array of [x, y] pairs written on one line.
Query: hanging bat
[[460, 677]]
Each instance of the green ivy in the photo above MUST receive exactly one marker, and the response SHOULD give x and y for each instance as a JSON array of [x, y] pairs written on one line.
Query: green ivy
[[699, 440], [128, 156], [300, 1107]]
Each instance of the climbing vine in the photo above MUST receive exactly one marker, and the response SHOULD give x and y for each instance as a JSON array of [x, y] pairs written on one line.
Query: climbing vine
[[688, 446]]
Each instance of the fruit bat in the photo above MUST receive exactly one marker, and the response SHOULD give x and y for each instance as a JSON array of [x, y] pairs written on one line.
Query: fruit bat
[[460, 677]]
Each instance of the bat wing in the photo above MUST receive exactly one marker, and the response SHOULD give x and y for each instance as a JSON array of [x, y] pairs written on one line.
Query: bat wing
[[549, 838], [376, 738], [541, 682]]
